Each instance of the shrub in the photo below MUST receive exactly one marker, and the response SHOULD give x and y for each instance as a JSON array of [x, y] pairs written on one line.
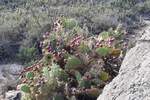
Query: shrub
[[25, 20], [27, 54]]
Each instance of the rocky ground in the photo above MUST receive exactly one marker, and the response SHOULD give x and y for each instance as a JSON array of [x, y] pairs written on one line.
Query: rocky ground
[[8, 80], [133, 81]]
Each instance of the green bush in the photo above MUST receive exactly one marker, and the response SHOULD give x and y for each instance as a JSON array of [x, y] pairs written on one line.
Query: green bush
[[27, 54]]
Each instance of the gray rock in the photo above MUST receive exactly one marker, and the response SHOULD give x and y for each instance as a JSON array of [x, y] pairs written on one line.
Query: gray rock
[[13, 95], [133, 81], [8, 76]]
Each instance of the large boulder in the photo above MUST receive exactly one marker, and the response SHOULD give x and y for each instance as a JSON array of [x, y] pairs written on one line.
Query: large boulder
[[8, 77], [133, 81], [13, 95]]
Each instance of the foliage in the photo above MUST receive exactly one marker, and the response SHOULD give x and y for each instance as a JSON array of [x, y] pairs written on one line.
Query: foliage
[[29, 75], [83, 48], [27, 54], [25, 88], [70, 66], [104, 76], [69, 23], [73, 62], [103, 51], [23, 21]]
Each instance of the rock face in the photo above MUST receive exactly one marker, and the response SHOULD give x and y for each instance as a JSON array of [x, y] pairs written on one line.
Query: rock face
[[8, 77], [133, 81], [13, 95]]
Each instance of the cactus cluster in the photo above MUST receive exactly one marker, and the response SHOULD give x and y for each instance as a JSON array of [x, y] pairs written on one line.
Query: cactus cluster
[[74, 65]]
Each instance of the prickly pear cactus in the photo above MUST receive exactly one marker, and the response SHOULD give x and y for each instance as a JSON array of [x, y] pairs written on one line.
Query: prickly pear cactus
[[104, 76], [29, 75], [59, 73], [103, 51], [83, 83], [25, 88], [84, 48], [69, 23], [74, 64]]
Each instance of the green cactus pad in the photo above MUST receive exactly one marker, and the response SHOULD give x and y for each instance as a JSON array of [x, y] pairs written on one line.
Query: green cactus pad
[[25, 88], [29, 75], [48, 58], [78, 76], [73, 62], [84, 48], [104, 35], [63, 76], [84, 83], [115, 52], [104, 76], [56, 71], [103, 51], [46, 72], [69, 23]]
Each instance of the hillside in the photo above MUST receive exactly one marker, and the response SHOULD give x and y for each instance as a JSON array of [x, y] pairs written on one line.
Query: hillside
[[23, 21], [71, 49]]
